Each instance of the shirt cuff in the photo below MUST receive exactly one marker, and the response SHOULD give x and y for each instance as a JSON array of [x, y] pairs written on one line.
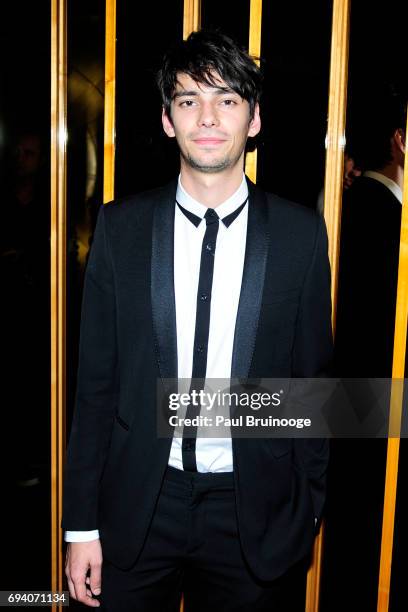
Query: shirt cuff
[[81, 536]]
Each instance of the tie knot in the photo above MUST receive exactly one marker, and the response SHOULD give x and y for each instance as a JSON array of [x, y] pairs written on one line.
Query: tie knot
[[211, 216]]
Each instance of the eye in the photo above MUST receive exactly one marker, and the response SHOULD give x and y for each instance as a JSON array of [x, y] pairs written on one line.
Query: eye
[[229, 102], [187, 103]]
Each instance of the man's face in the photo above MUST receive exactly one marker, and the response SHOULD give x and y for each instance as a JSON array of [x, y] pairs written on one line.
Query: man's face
[[351, 171], [27, 156], [211, 124]]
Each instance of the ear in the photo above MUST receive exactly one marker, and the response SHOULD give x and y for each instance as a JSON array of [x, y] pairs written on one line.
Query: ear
[[255, 124], [167, 124], [399, 140]]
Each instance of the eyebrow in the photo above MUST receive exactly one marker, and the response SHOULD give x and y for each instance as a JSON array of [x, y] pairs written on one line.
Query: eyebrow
[[219, 91]]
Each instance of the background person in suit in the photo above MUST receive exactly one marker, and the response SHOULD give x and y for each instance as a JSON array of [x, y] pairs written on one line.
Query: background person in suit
[[369, 251], [24, 309], [206, 277], [371, 223]]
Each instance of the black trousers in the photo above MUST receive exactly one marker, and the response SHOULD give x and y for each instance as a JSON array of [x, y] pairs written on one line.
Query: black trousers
[[193, 549]]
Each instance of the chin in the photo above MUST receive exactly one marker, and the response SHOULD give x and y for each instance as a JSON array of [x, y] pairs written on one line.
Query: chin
[[208, 165]]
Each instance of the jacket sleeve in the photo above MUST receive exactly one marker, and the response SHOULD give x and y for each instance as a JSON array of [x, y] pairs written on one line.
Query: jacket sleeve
[[312, 358], [97, 388], [313, 346]]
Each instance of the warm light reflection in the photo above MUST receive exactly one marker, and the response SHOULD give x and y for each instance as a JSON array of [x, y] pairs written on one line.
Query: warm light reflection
[[62, 136], [342, 142]]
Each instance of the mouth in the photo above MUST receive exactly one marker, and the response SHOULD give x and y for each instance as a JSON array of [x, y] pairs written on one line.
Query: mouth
[[208, 142]]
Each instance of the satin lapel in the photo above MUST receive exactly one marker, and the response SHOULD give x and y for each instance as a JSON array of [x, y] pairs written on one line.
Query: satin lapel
[[162, 283], [256, 253]]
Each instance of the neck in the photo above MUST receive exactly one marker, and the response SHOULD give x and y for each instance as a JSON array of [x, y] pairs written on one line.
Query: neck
[[211, 189], [394, 172]]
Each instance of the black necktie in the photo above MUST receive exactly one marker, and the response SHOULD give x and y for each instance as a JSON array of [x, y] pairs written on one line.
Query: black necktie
[[202, 326]]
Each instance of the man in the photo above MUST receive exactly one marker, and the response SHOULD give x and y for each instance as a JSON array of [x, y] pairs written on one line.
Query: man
[[207, 277], [368, 274], [24, 309], [369, 251]]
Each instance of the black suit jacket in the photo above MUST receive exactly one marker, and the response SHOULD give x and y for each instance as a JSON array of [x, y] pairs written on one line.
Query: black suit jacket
[[115, 460], [368, 274]]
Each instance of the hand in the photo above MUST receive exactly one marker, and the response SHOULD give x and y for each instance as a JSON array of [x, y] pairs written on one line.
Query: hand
[[80, 557]]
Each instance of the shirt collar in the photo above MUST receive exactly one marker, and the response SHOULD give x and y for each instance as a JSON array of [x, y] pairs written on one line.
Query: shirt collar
[[392, 185], [224, 209]]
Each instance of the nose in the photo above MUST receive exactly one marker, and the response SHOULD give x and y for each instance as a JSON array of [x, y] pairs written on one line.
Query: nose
[[208, 115]]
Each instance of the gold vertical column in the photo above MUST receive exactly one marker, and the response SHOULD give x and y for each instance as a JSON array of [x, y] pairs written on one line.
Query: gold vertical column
[[192, 17], [398, 368], [254, 49], [109, 106], [333, 186], [335, 138], [58, 277]]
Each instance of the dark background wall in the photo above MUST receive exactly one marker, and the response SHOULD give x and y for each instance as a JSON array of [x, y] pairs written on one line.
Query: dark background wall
[[25, 34]]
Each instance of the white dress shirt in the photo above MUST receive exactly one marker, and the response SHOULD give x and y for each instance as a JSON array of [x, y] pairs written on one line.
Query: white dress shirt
[[212, 454]]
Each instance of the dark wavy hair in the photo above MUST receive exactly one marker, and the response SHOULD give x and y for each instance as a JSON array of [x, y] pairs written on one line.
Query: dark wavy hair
[[203, 54]]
